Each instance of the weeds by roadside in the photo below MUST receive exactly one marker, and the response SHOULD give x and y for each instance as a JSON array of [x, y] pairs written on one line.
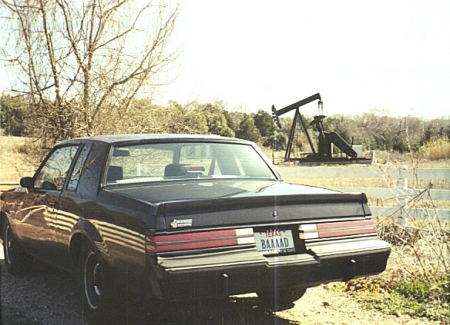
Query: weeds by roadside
[[397, 304], [437, 149], [394, 293], [418, 280]]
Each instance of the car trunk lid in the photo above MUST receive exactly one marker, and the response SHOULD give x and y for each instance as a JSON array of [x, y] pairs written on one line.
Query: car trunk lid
[[259, 210]]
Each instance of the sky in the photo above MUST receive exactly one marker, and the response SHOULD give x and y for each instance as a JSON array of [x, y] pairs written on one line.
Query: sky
[[359, 55]]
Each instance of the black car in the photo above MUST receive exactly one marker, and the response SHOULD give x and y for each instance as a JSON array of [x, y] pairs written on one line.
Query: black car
[[177, 217]]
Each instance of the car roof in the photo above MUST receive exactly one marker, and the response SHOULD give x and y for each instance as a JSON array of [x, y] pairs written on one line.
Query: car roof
[[127, 138]]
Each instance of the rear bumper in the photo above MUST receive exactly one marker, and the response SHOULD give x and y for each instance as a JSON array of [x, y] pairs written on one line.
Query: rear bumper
[[244, 271]]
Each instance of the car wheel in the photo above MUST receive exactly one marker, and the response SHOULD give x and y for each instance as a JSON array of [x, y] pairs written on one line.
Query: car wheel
[[281, 299], [16, 260], [97, 288]]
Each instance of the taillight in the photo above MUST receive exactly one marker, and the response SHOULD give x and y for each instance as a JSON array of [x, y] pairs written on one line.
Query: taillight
[[199, 240], [337, 229]]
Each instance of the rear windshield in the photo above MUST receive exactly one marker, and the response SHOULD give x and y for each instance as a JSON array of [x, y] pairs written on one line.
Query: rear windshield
[[172, 161]]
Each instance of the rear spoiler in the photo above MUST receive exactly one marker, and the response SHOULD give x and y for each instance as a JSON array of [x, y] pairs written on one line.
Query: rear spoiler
[[264, 209]]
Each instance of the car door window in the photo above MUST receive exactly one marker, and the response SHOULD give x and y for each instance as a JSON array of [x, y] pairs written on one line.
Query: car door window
[[54, 172]]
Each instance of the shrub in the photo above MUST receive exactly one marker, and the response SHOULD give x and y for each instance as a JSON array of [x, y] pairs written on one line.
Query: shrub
[[437, 149]]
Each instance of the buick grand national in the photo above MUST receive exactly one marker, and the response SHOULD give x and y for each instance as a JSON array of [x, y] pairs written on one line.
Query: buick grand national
[[178, 217]]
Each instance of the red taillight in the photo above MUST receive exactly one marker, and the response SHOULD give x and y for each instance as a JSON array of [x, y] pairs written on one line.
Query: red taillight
[[199, 240], [337, 229]]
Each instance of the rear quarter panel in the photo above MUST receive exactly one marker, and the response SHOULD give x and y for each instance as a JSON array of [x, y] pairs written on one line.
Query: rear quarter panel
[[122, 223]]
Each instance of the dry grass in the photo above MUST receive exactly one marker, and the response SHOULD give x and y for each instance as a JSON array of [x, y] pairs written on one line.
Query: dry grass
[[438, 149], [413, 160], [414, 204], [13, 165]]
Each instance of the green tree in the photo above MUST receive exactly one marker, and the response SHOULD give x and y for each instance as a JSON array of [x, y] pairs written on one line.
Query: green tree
[[217, 118], [184, 119], [435, 128], [247, 130], [230, 121], [264, 122], [218, 124], [13, 115]]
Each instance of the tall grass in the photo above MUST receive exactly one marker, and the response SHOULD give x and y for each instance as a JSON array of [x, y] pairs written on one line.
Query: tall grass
[[436, 149]]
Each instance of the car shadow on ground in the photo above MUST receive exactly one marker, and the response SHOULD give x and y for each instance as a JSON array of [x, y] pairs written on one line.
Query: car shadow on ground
[[237, 311], [49, 296]]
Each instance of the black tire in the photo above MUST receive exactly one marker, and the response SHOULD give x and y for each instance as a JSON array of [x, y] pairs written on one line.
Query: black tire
[[281, 299], [98, 297], [16, 260]]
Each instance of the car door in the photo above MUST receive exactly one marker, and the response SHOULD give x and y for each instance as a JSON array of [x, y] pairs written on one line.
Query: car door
[[70, 210], [37, 216]]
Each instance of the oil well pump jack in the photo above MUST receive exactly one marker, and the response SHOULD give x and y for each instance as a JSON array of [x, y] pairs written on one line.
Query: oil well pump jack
[[326, 140]]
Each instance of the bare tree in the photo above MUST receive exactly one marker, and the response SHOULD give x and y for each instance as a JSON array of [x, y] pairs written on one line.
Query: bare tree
[[82, 62]]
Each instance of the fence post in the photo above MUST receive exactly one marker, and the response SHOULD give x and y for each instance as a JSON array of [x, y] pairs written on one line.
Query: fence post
[[402, 197]]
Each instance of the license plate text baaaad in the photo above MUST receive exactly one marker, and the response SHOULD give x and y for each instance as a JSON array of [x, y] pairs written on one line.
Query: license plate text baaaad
[[274, 241]]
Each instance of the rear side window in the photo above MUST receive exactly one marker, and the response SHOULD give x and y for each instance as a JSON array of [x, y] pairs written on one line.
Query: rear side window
[[78, 168], [169, 161], [91, 173]]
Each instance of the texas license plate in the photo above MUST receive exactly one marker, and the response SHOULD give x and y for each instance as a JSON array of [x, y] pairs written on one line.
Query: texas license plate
[[274, 241]]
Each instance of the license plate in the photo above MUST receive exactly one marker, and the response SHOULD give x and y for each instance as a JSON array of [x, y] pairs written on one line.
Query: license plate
[[274, 241]]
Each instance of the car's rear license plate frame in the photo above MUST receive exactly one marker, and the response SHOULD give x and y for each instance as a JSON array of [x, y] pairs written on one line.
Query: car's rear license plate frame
[[274, 241]]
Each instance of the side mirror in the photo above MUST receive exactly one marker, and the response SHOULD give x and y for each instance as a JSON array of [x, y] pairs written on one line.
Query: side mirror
[[27, 182]]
